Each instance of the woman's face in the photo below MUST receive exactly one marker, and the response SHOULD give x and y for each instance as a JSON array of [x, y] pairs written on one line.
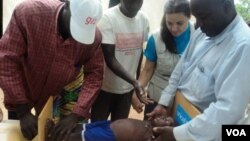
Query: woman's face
[[176, 23]]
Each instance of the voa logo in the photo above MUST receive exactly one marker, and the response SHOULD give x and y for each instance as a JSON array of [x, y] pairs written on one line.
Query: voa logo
[[236, 132]]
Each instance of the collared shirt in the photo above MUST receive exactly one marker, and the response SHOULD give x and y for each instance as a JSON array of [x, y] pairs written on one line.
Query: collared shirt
[[214, 75], [36, 62]]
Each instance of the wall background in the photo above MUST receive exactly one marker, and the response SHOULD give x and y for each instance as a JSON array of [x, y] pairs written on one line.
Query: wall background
[[152, 8]]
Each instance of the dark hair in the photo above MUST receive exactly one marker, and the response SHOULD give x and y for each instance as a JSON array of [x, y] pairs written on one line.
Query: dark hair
[[173, 6], [248, 23]]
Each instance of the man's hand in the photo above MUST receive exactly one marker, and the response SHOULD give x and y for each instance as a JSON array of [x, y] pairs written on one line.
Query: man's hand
[[64, 127], [141, 93], [136, 104], [28, 124], [163, 121], [164, 133], [158, 111]]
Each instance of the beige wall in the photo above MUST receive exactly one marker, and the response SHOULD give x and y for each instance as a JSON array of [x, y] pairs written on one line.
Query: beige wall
[[152, 8], [8, 6]]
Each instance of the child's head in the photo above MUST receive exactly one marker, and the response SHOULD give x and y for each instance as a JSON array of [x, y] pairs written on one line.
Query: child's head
[[163, 121], [137, 130], [132, 130], [130, 7]]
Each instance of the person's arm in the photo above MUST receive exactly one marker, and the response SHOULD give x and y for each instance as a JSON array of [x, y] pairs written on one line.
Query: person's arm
[[144, 78], [108, 47], [114, 65], [93, 76], [13, 49], [150, 63], [138, 71], [12, 53], [147, 72], [118, 69]]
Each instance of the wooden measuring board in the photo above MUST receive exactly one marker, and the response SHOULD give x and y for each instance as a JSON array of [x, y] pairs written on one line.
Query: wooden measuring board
[[44, 115]]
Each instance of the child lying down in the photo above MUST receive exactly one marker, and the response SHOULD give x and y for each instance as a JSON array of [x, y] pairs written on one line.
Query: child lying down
[[120, 130]]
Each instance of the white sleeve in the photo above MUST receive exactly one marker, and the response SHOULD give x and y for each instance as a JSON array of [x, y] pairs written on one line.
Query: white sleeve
[[232, 87], [167, 95], [105, 26]]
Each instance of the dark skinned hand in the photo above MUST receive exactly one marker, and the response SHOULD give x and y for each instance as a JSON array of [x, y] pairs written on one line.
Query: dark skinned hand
[[141, 93], [63, 128], [165, 133], [158, 111], [28, 124]]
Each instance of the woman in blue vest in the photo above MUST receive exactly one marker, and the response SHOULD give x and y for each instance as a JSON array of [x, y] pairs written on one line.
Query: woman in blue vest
[[163, 51]]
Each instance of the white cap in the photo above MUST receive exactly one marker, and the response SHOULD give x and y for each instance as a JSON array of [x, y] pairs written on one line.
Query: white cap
[[84, 16]]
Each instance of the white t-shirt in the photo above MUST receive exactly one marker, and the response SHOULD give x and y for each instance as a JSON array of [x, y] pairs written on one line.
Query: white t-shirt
[[128, 35]]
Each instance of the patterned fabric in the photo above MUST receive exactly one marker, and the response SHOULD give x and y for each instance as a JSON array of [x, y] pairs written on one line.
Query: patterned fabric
[[36, 62], [64, 103]]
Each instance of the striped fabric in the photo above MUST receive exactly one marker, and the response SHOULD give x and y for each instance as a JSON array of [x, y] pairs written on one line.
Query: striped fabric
[[64, 103]]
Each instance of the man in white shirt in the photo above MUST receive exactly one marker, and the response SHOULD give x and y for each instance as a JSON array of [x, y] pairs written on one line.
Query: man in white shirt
[[213, 74], [124, 30]]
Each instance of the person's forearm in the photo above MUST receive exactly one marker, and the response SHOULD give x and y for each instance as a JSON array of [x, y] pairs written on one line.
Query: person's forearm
[[147, 73], [93, 76], [119, 70], [138, 71], [114, 64]]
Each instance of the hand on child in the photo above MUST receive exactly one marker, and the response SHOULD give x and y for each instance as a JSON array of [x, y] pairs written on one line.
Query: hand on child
[[63, 128], [163, 128], [75, 135], [158, 111], [164, 133], [140, 92], [163, 121]]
